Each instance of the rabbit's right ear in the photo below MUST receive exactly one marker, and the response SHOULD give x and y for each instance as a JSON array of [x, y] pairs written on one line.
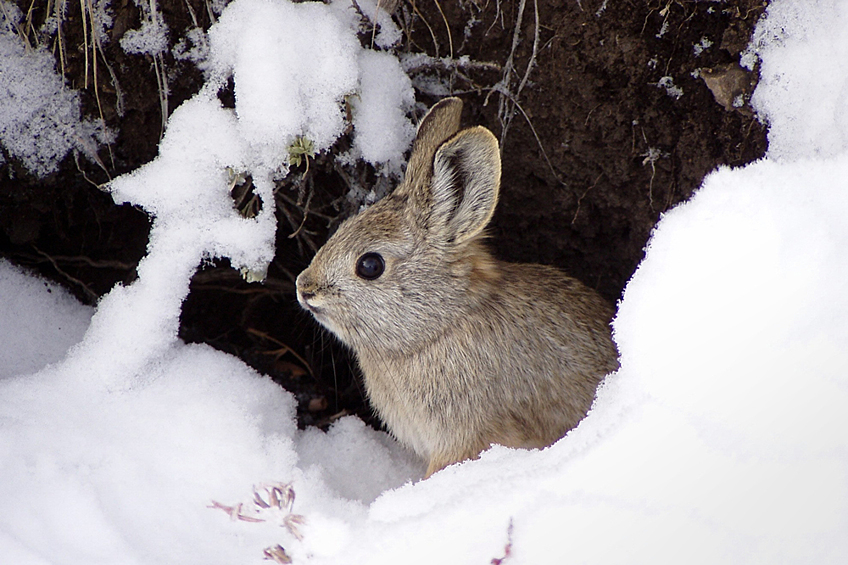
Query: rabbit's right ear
[[465, 184]]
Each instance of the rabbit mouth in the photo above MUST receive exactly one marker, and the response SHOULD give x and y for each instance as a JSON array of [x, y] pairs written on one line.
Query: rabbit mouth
[[314, 310], [317, 312], [320, 315], [306, 305]]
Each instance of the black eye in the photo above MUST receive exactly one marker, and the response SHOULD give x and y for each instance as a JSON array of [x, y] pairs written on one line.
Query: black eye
[[370, 266]]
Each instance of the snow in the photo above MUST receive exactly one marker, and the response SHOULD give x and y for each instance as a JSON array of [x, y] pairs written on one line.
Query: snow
[[722, 438], [385, 33], [667, 83], [48, 320], [379, 112], [152, 37], [39, 117], [701, 46], [804, 104], [290, 79]]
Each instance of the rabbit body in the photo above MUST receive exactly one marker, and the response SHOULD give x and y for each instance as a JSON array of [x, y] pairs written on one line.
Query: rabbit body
[[458, 349]]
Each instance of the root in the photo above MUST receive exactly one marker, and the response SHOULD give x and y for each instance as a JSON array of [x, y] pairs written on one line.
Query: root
[[429, 27], [90, 295], [582, 196], [282, 350]]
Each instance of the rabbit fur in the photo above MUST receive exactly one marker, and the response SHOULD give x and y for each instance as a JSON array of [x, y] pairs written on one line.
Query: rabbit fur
[[458, 349]]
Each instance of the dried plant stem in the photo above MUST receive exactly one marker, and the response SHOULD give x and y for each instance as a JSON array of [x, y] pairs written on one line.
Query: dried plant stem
[[429, 27], [84, 18], [59, 9], [507, 104], [284, 349], [447, 27], [305, 214], [89, 294], [535, 135], [162, 84]]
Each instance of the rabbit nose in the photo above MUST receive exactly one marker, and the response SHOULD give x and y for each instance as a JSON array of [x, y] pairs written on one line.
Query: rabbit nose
[[305, 288], [301, 281], [304, 296]]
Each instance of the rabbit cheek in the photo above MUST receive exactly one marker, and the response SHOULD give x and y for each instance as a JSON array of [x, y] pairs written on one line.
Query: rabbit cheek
[[326, 318], [316, 311], [336, 330]]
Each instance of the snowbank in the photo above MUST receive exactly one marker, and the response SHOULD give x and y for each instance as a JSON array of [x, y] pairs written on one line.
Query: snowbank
[[723, 438]]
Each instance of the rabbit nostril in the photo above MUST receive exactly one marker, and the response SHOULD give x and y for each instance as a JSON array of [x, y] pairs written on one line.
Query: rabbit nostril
[[306, 295]]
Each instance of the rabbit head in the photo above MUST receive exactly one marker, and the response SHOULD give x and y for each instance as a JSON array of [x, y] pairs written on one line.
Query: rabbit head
[[394, 275]]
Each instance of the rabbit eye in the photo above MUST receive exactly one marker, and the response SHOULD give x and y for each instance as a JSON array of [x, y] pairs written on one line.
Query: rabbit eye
[[370, 266]]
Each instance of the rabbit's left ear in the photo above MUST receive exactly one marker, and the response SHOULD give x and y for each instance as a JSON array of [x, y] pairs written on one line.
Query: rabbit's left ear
[[465, 183]]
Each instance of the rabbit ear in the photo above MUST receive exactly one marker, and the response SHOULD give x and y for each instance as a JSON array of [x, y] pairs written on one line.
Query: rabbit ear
[[465, 184], [441, 122]]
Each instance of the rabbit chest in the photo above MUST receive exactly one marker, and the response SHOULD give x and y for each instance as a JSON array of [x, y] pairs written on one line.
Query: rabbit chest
[[423, 399]]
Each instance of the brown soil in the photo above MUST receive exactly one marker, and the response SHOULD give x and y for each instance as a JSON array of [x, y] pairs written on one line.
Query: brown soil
[[596, 150]]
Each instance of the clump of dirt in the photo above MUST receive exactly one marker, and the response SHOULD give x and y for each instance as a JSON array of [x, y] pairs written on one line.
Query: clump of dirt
[[610, 113]]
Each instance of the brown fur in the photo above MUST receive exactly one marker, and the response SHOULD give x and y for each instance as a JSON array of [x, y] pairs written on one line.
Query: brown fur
[[458, 350]]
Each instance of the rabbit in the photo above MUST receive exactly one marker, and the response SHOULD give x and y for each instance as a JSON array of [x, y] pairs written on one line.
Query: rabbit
[[458, 349]]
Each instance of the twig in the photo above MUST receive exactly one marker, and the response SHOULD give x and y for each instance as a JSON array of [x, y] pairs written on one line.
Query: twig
[[429, 27], [59, 6], [283, 348], [417, 63], [97, 264], [532, 60], [85, 176], [288, 200], [296, 232], [162, 83], [89, 294], [447, 27], [506, 113], [536, 135], [582, 196]]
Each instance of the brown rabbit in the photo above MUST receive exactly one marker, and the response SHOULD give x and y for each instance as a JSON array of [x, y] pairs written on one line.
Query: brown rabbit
[[458, 349]]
